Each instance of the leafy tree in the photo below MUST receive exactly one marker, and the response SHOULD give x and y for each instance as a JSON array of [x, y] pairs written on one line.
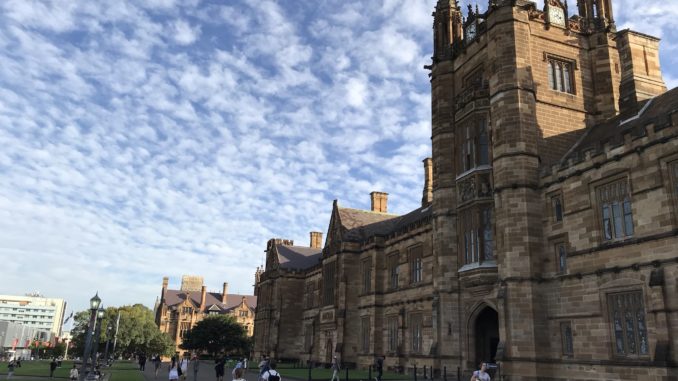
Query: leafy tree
[[137, 332], [216, 334]]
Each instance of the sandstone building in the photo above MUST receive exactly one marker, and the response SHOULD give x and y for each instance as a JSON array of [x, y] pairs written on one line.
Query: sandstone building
[[177, 311], [546, 241]]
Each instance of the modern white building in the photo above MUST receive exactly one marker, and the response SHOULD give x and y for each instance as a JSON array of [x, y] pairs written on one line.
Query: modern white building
[[34, 311]]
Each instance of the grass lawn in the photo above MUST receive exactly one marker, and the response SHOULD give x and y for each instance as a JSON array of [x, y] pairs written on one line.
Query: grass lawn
[[124, 371], [38, 368]]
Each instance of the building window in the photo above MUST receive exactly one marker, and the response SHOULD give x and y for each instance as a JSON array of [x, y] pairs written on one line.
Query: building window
[[328, 283], [474, 148], [394, 271], [557, 204], [365, 334], [477, 237], [628, 323], [367, 276], [561, 258], [566, 336], [615, 209], [416, 264], [392, 327], [185, 327], [416, 330], [673, 168], [561, 75], [187, 310]]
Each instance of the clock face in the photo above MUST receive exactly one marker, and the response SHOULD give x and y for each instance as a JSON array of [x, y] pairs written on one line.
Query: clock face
[[471, 31], [556, 16]]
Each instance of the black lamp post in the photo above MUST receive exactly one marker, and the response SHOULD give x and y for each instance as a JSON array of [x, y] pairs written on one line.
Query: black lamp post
[[94, 304], [95, 341]]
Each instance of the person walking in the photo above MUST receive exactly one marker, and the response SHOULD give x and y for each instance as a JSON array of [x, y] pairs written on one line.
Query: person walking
[[156, 364], [238, 375], [10, 369], [335, 369], [142, 362], [238, 365], [73, 375], [219, 368], [379, 367], [271, 374], [196, 366], [183, 367], [481, 374], [174, 372], [244, 366], [263, 367], [52, 367]]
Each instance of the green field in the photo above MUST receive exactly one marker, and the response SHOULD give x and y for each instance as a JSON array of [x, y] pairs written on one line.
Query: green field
[[125, 371], [39, 368]]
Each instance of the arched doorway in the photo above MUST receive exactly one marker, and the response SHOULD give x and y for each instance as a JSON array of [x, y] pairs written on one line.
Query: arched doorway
[[486, 334]]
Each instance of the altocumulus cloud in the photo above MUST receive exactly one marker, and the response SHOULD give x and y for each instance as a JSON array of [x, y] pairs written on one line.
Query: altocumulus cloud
[[143, 139]]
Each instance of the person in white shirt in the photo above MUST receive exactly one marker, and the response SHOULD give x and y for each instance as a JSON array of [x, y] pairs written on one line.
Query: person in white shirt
[[481, 375], [271, 374]]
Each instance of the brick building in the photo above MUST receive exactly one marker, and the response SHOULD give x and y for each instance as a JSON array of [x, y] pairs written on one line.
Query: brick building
[[177, 311], [546, 240]]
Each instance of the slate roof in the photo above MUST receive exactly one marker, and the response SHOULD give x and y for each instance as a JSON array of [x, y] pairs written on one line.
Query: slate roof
[[363, 224], [298, 257], [656, 110], [174, 297]]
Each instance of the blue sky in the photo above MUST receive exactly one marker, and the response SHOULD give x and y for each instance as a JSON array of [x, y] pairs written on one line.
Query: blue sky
[[169, 137]]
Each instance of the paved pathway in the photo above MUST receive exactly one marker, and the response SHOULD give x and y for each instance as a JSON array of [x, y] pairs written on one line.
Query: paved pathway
[[205, 373]]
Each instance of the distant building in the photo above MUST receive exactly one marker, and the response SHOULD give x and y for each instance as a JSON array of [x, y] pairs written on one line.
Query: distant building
[[16, 338], [34, 311], [178, 311]]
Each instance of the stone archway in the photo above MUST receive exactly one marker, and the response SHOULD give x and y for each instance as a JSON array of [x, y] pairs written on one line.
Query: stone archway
[[486, 335]]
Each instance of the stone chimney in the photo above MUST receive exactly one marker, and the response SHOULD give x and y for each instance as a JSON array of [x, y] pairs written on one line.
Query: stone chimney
[[316, 240], [203, 297], [165, 283], [379, 202], [224, 293], [641, 76], [427, 197]]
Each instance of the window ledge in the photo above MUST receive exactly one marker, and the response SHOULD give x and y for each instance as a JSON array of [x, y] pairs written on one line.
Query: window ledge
[[476, 265], [479, 168]]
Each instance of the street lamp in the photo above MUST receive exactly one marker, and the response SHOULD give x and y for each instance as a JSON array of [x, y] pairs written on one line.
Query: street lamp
[[96, 338], [108, 341], [94, 304]]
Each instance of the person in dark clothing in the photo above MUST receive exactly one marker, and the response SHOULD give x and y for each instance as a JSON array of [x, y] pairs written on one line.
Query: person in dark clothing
[[219, 368], [142, 362], [52, 367], [379, 367]]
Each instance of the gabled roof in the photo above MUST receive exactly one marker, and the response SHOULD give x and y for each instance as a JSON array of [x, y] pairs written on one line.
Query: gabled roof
[[297, 257], [362, 224], [212, 299], [656, 110]]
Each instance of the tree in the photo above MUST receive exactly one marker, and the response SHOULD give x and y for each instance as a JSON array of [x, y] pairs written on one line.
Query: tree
[[216, 334], [137, 332]]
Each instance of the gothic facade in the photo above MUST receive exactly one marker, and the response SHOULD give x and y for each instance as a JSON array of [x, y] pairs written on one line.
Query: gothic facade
[[546, 242], [177, 311]]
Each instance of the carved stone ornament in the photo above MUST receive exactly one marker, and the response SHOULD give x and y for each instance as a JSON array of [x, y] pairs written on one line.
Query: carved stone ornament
[[467, 189]]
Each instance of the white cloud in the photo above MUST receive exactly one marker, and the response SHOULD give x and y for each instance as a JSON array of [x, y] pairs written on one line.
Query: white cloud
[[183, 33]]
